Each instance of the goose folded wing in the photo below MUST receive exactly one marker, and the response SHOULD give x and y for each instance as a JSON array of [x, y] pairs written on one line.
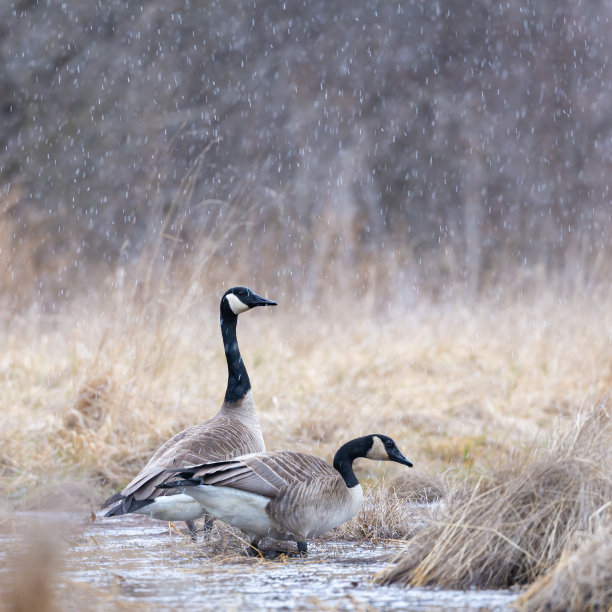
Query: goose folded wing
[[245, 474], [264, 474], [216, 439], [186, 448]]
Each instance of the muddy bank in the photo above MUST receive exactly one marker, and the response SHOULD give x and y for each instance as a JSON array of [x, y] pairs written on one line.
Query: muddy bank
[[137, 561]]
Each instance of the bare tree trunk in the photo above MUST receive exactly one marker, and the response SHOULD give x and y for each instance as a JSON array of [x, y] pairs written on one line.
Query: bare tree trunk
[[474, 186]]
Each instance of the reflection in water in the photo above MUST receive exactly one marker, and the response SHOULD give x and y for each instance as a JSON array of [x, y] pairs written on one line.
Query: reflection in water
[[132, 560]]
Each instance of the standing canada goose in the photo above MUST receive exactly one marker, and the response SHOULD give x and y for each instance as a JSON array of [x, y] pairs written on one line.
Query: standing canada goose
[[232, 432], [284, 494]]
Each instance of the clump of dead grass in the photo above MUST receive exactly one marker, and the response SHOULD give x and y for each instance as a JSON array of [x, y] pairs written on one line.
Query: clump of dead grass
[[392, 512], [515, 526], [220, 542], [224, 543], [384, 515], [581, 582]]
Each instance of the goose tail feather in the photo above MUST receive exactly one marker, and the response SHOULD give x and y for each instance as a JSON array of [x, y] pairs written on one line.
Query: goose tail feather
[[127, 505]]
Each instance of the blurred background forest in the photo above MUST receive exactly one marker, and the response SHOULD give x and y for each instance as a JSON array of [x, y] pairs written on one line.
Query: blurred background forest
[[306, 146], [423, 186]]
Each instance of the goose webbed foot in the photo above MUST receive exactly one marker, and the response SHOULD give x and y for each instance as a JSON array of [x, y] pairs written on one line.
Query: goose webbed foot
[[273, 553], [302, 549]]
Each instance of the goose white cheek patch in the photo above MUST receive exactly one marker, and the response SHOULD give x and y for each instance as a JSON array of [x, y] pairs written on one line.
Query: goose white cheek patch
[[236, 304], [378, 450]]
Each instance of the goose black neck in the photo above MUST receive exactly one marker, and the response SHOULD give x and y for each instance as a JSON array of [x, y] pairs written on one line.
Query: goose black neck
[[238, 382], [343, 462]]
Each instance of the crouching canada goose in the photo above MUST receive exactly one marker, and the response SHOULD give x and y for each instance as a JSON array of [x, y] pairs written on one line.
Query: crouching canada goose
[[283, 494], [232, 432]]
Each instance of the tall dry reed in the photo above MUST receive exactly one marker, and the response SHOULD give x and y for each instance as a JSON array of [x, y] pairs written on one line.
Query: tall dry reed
[[514, 526]]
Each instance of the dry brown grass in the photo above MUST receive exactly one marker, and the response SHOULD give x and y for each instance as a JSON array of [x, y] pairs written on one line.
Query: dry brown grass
[[514, 526], [581, 582], [384, 515], [89, 393]]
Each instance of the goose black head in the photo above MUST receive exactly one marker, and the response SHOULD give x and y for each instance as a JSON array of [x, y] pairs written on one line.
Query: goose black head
[[384, 448], [374, 446], [241, 299]]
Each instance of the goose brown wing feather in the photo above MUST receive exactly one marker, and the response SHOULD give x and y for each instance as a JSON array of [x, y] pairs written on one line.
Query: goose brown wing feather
[[246, 473], [219, 438], [266, 473], [222, 476]]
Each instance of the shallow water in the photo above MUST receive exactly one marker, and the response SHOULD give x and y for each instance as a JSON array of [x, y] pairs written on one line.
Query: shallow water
[[134, 560]]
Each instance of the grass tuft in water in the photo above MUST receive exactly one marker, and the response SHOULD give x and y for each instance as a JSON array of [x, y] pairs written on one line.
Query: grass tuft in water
[[581, 581], [514, 526]]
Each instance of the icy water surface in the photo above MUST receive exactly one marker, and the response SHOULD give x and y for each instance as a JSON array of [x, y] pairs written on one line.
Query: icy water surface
[[134, 560]]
